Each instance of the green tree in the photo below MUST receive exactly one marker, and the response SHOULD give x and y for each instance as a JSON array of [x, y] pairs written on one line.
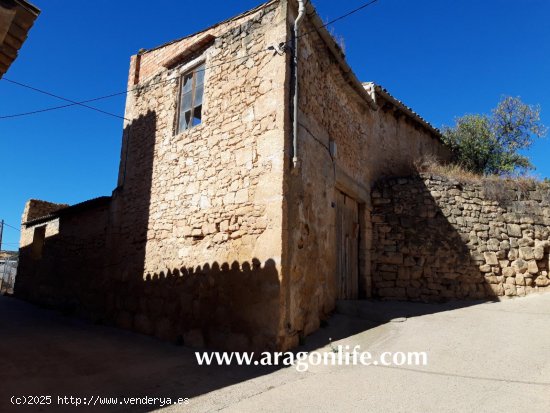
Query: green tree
[[491, 144]]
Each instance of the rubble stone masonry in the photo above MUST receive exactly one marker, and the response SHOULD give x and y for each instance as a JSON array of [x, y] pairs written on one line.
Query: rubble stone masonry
[[212, 237], [189, 246], [214, 192], [439, 239], [369, 144], [196, 221]]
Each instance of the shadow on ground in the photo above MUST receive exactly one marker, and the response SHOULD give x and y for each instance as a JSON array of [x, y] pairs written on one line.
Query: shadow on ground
[[46, 353]]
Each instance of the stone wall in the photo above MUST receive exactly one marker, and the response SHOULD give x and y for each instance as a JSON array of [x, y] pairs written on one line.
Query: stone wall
[[68, 272], [227, 306], [231, 305], [35, 208], [144, 66], [211, 195], [440, 239], [213, 192], [189, 247], [211, 235], [370, 142]]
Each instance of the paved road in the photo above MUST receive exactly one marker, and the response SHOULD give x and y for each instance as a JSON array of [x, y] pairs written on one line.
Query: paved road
[[489, 357]]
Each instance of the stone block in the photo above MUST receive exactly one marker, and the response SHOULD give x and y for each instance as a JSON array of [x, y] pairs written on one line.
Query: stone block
[[526, 253], [520, 266], [514, 230], [541, 281], [532, 267], [493, 244], [404, 273], [490, 258], [391, 258], [491, 279], [538, 252], [510, 290], [497, 289], [241, 196], [485, 268]]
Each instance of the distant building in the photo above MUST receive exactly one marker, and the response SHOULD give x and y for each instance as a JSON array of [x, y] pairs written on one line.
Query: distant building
[[8, 271], [226, 228]]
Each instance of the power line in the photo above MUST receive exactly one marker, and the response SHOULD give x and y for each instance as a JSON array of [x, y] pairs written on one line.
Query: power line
[[12, 227], [83, 103], [65, 99], [59, 107], [342, 17]]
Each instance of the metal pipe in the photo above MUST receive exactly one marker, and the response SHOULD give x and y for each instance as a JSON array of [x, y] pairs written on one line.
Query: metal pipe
[[301, 14]]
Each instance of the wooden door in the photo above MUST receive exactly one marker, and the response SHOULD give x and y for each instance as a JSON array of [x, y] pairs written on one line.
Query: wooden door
[[347, 245]]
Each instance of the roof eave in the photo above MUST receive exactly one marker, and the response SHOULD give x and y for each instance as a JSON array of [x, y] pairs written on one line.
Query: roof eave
[[411, 114], [347, 72], [239, 16], [17, 31], [91, 203]]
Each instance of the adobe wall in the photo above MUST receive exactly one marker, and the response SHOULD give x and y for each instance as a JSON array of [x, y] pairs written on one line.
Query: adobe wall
[[209, 197], [439, 239], [370, 144]]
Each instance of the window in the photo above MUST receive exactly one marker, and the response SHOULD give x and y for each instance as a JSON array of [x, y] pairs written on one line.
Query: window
[[38, 242], [190, 99]]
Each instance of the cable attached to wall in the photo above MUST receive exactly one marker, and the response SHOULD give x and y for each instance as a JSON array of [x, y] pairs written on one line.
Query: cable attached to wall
[[283, 46]]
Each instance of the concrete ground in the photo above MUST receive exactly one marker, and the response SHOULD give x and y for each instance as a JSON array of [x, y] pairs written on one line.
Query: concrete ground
[[482, 357]]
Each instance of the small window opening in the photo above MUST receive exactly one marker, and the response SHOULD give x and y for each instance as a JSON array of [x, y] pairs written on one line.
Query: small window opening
[[190, 99]]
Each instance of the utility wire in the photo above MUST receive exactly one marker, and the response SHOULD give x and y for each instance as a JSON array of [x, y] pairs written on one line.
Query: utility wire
[[83, 103], [65, 99], [11, 226], [344, 16]]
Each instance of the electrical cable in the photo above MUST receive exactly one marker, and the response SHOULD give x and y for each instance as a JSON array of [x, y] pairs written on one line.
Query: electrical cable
[[83, 103]]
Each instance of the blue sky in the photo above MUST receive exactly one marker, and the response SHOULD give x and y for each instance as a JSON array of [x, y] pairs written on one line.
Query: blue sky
[[444, 58]]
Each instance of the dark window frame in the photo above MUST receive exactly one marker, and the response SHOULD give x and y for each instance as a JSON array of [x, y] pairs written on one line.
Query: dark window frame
[[193, 72]]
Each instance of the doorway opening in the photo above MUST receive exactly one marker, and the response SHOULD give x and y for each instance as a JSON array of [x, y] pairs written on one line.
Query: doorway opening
[[347, 247]]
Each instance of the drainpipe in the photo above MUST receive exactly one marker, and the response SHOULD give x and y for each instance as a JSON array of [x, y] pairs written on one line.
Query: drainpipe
[[301, 14]]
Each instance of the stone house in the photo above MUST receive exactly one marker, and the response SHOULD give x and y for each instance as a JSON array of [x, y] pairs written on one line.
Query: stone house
[[239, 217]]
